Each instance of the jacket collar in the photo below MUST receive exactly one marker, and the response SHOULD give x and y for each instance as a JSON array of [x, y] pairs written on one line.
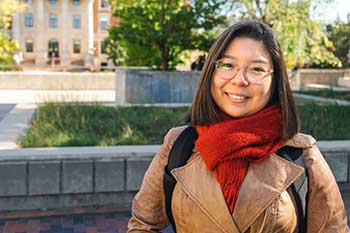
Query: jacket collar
[[263, 183]]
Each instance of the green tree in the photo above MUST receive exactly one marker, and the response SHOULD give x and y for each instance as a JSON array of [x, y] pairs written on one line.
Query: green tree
[[340, 34], [7, 47], [303, 41], [156, 32]]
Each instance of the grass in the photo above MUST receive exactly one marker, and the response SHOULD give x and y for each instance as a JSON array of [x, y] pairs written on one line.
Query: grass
[[96, 125], [328, 93], [325, 122]]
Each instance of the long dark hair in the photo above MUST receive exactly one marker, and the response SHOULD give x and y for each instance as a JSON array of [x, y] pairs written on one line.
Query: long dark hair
[[204, 110]]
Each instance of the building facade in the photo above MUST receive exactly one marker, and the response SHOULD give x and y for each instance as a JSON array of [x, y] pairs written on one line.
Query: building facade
[[63, 33]]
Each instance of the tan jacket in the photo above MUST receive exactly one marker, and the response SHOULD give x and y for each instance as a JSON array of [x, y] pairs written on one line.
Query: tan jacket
[[263, 205]]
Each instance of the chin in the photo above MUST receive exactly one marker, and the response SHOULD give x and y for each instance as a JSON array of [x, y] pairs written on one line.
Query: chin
[[236, 114]]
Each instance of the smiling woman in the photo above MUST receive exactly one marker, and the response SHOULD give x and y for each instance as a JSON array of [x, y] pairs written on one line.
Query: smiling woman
[[235, 180]]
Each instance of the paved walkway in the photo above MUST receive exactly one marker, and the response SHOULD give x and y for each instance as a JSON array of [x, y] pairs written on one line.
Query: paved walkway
[[5, 109], [112, 222], [72, 223], [14, 119]]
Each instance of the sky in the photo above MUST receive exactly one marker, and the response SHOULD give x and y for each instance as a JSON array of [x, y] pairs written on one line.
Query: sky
[[339, 8]]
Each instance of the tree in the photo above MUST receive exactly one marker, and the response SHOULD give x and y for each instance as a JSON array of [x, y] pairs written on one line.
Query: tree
[[7, 47], [303, 41], [156, 32], [340, 34]]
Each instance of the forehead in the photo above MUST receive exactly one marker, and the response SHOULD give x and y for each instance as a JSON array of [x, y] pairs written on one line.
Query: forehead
[[247, 50]]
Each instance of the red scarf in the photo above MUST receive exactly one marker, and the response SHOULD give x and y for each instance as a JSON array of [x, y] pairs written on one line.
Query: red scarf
[[228, 146]]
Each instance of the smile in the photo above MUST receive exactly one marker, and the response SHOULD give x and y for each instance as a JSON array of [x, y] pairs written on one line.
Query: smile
[[236, 98]]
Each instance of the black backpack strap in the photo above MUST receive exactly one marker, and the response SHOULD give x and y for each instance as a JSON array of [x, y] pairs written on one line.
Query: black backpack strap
[[300, 185], [179, 154]]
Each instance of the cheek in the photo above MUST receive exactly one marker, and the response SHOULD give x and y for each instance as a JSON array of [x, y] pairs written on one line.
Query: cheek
[[265, 91], [215, 87]]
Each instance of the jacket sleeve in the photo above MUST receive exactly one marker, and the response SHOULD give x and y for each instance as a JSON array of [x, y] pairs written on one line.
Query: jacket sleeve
[[326, 212], [148, 207]]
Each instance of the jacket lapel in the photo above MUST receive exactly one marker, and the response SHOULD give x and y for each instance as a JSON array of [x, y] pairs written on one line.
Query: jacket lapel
[[263, 183], [200, 184]]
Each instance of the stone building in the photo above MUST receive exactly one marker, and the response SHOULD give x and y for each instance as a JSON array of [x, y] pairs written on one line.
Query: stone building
[[63, 33]]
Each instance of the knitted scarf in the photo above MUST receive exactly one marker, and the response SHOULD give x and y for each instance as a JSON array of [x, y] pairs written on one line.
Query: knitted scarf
[[228, 146]]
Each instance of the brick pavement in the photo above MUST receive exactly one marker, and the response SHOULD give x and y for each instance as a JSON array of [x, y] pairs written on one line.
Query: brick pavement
[[114, 222], [82, 222]]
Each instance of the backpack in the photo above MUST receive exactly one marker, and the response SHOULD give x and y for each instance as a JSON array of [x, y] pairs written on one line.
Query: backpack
[[181, 151]]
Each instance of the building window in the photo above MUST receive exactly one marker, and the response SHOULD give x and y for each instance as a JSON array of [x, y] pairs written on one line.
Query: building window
[[53, 2], [76, 2], [28, 20], [76, 21], [76, 46], [29, 46], [104, 3], [104, 23], [103, 47], [53, 21]]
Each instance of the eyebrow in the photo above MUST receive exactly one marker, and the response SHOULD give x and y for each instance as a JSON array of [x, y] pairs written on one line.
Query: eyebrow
[[254, 60]]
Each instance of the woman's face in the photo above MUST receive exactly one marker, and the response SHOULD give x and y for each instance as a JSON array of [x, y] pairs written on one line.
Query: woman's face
[[237, 96]]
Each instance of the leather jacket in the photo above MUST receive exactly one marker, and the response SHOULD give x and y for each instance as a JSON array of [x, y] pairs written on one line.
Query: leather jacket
[[265, 203]]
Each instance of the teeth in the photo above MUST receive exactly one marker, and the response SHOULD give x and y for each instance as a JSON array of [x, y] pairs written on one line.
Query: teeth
[[236, 97]]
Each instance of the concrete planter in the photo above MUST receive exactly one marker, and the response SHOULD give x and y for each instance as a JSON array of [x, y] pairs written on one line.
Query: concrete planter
[[62, 81], [146, 86], [344, 82], [305, 77], [56, 178]]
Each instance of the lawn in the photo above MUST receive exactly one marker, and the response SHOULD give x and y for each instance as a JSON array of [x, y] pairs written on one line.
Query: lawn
[[97, 125]]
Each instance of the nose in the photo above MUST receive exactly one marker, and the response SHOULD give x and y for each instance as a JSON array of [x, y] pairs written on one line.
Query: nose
[[239, 78]]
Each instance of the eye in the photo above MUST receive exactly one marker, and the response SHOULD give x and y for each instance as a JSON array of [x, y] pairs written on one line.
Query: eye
[[224, 65], [258, 69]]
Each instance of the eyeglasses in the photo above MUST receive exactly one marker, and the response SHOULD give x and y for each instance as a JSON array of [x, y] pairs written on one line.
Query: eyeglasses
[[255, 73]]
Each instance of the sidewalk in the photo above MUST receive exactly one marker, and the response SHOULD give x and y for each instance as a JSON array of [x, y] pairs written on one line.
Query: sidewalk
[[14, 120], [71, 223], [68, 221], [108, 222]]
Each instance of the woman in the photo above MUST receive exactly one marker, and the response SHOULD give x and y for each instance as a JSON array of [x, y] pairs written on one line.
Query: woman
[[244, 113]]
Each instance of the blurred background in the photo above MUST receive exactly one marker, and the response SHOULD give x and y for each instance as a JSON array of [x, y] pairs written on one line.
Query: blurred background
[[96, 35]]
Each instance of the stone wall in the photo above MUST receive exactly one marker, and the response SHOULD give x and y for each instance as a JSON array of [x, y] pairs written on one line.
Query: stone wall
[[329, 77], [145, 86], [56, 81], [55, 178]]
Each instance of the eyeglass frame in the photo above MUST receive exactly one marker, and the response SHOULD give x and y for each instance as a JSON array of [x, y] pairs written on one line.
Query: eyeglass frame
[[246, 78]]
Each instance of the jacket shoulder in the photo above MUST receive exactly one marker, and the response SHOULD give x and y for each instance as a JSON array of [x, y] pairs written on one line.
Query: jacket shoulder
[[174, 133], [301, 140]]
